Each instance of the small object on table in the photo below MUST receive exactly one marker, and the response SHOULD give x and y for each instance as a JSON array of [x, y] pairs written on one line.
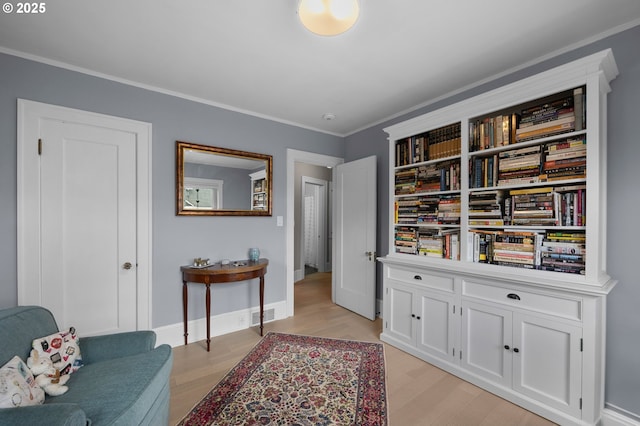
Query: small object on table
[[254, 254]]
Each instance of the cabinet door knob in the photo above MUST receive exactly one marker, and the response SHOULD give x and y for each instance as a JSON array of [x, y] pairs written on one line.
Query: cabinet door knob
[[417, 317], [507, 347], [516, 350], [127, 265], [413, 315]]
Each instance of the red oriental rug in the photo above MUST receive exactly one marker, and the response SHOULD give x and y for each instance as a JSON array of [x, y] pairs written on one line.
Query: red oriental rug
[[299, 380]]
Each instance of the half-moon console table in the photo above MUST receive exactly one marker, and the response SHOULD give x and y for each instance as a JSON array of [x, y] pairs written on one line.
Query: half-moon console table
[[240, 270]]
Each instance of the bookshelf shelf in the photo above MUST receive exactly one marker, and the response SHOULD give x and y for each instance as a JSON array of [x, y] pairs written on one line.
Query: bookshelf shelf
[[505, 215], [259, 196]]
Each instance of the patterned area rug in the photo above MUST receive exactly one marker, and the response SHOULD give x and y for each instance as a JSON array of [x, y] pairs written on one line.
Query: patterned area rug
[[299, 380]]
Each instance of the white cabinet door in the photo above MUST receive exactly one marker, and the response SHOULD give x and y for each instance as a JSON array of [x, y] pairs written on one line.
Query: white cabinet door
[[486, 342], [399, 318], [436, 324], [536, 356], [420, 318], [548, 363]]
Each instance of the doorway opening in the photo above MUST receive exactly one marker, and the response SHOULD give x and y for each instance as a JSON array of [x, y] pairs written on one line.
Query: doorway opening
[[308, 164], [313, 247]]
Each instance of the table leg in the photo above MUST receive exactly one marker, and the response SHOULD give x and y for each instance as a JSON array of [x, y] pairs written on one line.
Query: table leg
[[184, 308], [261, 302], [208, 309]]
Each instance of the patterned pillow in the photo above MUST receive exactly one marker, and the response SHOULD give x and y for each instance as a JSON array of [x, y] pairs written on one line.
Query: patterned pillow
[[62, 349], [18, 388]]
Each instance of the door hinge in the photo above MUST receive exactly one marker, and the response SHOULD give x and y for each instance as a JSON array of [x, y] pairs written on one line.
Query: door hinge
[[581, 344], [386, 324], [454, 309], [453, 352], [460, 355], [39, 146], [581, 403]]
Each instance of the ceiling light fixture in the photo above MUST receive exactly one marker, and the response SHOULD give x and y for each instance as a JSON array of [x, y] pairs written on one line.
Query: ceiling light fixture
[[328, 17]]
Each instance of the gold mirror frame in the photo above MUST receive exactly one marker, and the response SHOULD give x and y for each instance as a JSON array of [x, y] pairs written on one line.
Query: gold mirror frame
[[186, 149]]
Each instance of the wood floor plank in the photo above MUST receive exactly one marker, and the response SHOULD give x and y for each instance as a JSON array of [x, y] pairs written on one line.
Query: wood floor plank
[[418, 393]]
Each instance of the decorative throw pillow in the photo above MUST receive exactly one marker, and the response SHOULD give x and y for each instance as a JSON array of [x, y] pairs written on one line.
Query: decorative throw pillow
[[18, 388], [62, 349]]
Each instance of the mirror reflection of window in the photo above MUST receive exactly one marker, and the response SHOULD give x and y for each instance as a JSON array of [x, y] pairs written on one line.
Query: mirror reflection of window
[[202, 194]]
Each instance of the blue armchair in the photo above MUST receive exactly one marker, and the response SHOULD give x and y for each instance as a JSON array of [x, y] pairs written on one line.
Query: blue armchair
[[124, 380]]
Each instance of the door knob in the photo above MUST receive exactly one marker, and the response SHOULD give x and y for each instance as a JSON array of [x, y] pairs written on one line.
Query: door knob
[[127, 265]]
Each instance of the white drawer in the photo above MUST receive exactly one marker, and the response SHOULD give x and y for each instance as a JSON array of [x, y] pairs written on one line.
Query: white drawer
[[440, 282], [544, 303]]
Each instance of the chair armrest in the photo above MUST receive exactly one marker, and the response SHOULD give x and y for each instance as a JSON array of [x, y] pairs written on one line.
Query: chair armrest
[[100, 348], [47, 414]]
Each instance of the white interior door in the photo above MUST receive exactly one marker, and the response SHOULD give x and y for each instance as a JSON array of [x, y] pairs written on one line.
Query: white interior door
[[354, 277], [85, 231]]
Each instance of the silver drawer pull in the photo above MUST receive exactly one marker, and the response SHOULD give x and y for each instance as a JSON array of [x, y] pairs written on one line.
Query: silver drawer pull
[[513, 296], [417, 277]]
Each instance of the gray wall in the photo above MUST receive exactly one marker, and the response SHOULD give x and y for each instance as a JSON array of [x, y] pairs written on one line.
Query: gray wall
[[622, 388], [176, 240]]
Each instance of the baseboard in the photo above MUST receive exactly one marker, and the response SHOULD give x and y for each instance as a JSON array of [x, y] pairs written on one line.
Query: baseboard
[[611, 417], [298, 274], [173, 334], [379, 308]]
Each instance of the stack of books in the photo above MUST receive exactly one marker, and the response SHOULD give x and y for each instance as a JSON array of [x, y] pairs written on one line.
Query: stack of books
[[442, 243], [428, 210], [564, 252], [405, 181], [407, 210], [486, 208], [566, 159], [405, 240], [449, 210], [430, 244], [519, 166], [551, 118], [534, 206]]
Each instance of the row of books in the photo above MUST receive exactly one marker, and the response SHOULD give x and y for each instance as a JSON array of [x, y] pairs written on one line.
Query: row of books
[[539, 206], [443, 176], [442, 244], [550, 117], [432, 145], [553, 161], [551, 251], [422, 210], [491, 132]]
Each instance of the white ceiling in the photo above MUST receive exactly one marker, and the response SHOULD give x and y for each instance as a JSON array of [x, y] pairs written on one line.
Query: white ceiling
[[254, 56]]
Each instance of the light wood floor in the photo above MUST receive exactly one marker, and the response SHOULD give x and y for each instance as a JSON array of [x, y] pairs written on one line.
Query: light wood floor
[[418, 393]]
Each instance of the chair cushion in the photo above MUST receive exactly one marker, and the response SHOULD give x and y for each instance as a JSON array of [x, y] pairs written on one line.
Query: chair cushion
[[119, 390]]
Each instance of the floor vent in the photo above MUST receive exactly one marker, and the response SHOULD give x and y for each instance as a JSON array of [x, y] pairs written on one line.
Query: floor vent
[[269, 314]]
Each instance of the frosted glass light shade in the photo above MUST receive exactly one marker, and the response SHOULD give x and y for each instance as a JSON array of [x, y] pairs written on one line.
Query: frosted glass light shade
[[328, 17]]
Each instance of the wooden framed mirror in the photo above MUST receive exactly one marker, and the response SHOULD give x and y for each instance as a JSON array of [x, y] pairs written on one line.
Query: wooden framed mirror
[[213, 181]]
